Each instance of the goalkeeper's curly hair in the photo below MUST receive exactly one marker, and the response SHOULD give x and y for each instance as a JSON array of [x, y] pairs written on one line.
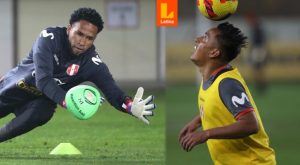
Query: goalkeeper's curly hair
[[88, 14], [231, 40]]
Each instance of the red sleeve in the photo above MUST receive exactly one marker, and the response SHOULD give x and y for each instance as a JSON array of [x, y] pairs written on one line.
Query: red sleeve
[[243, 112]]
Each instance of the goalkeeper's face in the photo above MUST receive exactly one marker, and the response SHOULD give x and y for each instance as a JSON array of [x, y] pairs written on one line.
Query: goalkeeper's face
[[81, 36]]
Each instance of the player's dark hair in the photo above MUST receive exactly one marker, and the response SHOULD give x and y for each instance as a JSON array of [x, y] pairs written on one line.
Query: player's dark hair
[[88, 14], [231, 41]]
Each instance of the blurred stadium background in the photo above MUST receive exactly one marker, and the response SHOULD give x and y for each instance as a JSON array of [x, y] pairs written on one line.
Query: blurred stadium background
[[130, 45], [276, 94], [130, 39]]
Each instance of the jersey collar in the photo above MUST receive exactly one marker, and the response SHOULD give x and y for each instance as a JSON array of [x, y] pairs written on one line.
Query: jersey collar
[[215, 74]]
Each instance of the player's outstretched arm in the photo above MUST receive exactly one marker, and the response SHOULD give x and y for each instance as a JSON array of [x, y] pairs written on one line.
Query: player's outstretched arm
[[141, 108]]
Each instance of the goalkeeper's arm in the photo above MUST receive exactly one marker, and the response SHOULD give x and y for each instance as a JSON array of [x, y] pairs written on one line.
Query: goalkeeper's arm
[[116, 97]]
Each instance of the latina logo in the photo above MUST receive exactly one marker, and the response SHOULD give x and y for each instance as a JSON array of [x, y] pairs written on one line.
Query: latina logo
[[72, 69]]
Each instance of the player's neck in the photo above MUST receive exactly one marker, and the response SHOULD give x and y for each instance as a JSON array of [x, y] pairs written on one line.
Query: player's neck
[[208, 70]]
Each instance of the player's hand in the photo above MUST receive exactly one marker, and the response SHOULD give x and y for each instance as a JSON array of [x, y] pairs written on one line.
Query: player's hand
[[142, 108], [64, 104], [189, 141], [190, 127]]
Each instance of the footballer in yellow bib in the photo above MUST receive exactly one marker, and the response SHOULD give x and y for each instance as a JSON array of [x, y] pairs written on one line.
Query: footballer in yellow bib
[[230, 121]]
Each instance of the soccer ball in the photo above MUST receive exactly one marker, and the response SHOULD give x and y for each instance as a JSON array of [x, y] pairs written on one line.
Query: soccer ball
[[83, 101], [217, 10]]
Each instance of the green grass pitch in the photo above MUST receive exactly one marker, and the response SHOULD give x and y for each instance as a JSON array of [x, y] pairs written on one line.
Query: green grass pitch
[[279, 108], [109, 137]]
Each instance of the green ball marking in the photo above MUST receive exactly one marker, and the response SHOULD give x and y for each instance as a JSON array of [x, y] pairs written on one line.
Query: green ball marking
[[90, 96]]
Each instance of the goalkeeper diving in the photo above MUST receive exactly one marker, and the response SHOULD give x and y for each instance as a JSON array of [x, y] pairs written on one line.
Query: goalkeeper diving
[[61, 58]]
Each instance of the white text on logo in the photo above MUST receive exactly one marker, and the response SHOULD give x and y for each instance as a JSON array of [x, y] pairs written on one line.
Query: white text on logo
[[240, 101], [44, 33], [97, 60]]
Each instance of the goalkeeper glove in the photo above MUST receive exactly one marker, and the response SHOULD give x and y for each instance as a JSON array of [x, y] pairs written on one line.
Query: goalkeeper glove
[[141, 108]]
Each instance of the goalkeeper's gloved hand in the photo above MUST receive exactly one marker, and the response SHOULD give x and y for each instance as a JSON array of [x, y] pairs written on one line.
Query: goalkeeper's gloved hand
[[141, 108]]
